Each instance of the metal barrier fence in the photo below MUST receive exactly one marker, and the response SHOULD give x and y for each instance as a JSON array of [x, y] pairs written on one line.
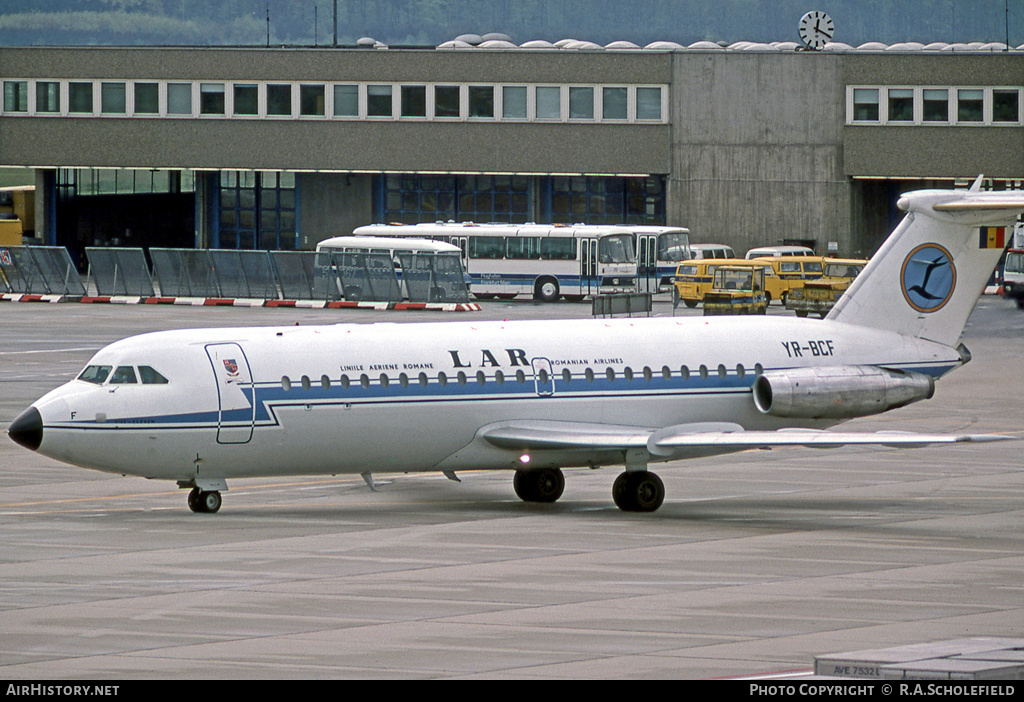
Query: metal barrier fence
[[39, 270], [622, 303], [266, 275], [119, 271]]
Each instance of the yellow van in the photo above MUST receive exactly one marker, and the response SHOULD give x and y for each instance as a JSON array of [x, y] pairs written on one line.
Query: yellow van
[[820, 295], [793, 271], [694, 278]]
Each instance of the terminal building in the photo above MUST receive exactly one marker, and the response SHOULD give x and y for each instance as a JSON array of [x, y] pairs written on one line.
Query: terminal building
[[279, 148]]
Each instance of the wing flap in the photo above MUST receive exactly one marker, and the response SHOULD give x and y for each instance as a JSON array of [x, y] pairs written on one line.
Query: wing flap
[[537, 435], [720, 437], [815, 438]]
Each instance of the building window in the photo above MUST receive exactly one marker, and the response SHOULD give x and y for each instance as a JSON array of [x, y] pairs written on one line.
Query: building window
[[1006, 106], [257, 210], [970, 105], [312, 101], [113, 100], [865, 105], [482, 198], [608, 199], [615, 103], [581, 102], [901, 104], [279, 100], [493, 198], [648, 104], [414, 100], [211, 98], [549, 102], [15, 96], [346, 101], [47, 96], [378, 101], [513, 102], [447, 103], [246, 99], [935, 103], [481, 101], [179, 98], [80, 98], [147, 98]]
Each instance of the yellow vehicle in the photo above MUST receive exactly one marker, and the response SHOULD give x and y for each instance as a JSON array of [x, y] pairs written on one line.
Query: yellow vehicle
[[736, 290], [794, 271], [818, 296], [693, 279]]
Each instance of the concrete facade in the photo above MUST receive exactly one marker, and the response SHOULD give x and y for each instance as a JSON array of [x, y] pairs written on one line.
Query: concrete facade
[[757, 145]]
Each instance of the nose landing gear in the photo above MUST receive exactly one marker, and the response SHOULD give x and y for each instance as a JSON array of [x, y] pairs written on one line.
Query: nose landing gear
[[203, 501]]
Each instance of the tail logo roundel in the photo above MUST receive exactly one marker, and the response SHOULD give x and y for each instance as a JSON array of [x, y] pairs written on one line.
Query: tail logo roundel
[[928, 277]]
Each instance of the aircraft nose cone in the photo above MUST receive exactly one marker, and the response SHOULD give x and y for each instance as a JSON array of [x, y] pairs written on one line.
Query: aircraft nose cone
[[27, 429]]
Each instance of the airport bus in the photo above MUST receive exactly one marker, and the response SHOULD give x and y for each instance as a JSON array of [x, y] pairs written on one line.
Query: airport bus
[[389, 269], [546, 261], [659, 251]]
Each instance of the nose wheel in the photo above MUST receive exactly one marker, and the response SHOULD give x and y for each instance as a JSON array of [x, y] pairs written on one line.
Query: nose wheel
[[203, 501]]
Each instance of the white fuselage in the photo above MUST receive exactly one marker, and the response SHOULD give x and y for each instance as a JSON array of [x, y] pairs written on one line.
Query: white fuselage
[[412, 397]]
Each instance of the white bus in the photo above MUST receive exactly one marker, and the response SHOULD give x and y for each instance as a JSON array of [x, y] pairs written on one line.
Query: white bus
[[545, 261], [385, 269], [659, 251]]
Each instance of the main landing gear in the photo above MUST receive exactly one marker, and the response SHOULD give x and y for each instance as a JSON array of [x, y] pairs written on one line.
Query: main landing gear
[[539, 485], [638, 491], [633, 491], [204, 501]]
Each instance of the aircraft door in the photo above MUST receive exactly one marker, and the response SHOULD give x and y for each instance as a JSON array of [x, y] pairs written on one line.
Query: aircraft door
[[543, 378], [236, 409]]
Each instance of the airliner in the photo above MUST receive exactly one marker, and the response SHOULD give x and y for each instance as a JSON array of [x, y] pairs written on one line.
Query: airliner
[[201, 407]]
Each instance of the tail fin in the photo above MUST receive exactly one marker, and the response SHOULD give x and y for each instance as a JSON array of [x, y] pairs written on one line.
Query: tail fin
[[928, 275]]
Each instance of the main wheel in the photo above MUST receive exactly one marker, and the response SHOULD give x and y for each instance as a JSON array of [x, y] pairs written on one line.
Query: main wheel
[[539, 485], [638, 491]]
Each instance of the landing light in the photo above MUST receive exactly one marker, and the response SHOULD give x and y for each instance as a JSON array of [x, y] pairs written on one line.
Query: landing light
[[525, 458]]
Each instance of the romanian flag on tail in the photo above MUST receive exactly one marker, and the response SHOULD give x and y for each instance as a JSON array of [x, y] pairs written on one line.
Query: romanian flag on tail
[[992, 237]]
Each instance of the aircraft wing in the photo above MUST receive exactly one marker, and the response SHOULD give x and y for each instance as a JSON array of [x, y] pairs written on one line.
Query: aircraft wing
[[520, 435], [718, 437]]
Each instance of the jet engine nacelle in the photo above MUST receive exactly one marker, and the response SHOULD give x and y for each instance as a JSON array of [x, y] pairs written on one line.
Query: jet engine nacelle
[[838, 392]]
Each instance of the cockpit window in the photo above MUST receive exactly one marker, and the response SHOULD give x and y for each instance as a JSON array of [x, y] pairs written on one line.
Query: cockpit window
[[95, 374], [124, 375], [150, 376]]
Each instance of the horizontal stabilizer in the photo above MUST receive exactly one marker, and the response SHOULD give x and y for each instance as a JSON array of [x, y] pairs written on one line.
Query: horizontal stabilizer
[[1016, 204]]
